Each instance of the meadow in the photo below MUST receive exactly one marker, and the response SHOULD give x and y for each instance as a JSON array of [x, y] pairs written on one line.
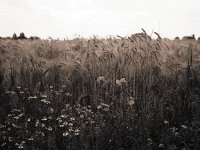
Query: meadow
[[115, 93]]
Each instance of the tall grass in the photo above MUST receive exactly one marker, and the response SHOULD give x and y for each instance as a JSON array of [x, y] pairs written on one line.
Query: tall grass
[[118, 93]]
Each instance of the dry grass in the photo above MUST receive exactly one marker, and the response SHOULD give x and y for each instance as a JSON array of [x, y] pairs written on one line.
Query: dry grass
[[118, 93]]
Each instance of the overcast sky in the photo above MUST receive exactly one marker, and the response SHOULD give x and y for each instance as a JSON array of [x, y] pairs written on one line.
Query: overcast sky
[[65, 18]]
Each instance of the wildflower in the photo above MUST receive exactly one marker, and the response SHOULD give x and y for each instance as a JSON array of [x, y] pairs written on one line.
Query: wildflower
[[20, 146], [101, 79], [61, 126], [16, 117], [104, 105], [173, 129], [161, 145], [28, 119], [2, 145], [63, 116], [13, 92], [16, 110], [45, 101], [106, 109], [32, 97], [99, 107], [67, 106], [3, 132], [149, 141], [18, 87], [44, 96], [131, 101], [10, 139], [121, 81], [16, 144], [118, 82], [21, 92], [70, 129], [89, 110], [92, 122], [50, 118], [51, 87], [72, 118], [1, 126], [76, 133], [65, 133], [15, 125], [42, 133], [81, 116], [50, 128], [25, 89], [70, 124], [37, 123], [20, 115], [68, 94], [8, 92], [65, 123], [183, 126], [166, 122], [30, 139], [44, 118], [77, 130], [176, 133], [58, 118]]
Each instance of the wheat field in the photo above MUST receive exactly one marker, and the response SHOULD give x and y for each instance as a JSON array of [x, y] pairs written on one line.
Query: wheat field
[[131, 92]]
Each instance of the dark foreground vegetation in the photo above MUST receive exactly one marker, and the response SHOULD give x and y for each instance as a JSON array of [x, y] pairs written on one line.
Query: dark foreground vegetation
[[117, 93]]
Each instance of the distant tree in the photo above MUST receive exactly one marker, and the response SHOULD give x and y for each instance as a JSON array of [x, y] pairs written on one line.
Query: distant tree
[[7, 38], [22, 36], [177, 39], [14, 36], [199, 40], [34, 38]]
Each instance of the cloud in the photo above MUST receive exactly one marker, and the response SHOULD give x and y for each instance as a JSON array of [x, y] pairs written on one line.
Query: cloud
[[97, 21], [62, 18]]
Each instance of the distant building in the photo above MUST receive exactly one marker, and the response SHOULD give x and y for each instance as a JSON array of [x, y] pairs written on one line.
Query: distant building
[[192, 37]]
